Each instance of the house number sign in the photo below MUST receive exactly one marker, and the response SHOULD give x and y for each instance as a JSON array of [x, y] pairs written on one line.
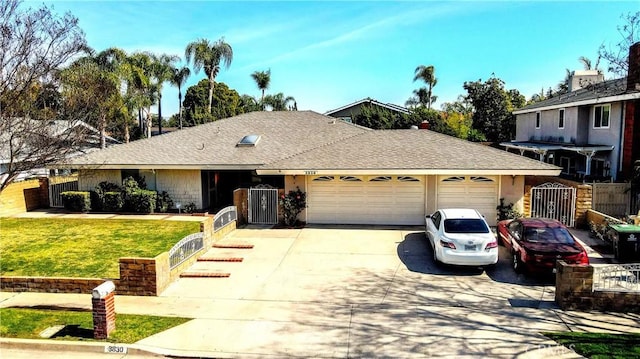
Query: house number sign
[[310, 172]]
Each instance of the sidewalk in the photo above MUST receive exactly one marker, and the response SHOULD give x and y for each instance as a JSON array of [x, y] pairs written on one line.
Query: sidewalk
[[58, 213]]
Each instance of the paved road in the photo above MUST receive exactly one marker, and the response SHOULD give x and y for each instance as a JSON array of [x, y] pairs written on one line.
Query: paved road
[[352, 293]]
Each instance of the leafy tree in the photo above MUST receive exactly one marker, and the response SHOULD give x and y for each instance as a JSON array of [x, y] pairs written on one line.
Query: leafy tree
[[226, 103], [35, 44], [280, 102], [249, 104], [179, 78], [426, 74], [375, 117], [618, 56], [262, 79], [492, 106], [209, 55]]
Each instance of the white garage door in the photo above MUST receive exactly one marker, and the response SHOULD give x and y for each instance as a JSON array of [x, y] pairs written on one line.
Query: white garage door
[[478, 192], [366, 199]]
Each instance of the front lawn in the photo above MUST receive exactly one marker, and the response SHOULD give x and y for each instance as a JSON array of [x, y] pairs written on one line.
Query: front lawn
[[29, 323], [600, 345], [55, 247]]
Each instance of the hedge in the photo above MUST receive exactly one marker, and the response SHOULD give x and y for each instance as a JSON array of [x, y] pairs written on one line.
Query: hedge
[[76, 201], [142, 201], [112, 201]]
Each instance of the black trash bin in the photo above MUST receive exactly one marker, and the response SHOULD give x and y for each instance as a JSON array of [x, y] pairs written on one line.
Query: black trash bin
[[625, 240]]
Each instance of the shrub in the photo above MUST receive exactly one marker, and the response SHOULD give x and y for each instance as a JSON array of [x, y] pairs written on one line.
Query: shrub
[[112, 201], [76, 201], [97, 196], [190, 208], [507, 211], [163, 202], [142, 201], [292, 204]]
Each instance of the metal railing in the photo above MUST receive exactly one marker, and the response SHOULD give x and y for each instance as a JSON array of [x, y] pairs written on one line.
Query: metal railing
[[57, 185], [617, 278], [185, 249], [224, 217], [554, 200], [263, 205]]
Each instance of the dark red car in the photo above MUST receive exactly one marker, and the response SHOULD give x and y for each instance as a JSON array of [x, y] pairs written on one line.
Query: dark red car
[[537, 243]]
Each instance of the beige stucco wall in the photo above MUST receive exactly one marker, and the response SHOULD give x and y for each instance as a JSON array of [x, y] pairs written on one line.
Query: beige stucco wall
[[89, 179], [184, 186], [512, 190], [430, 202]]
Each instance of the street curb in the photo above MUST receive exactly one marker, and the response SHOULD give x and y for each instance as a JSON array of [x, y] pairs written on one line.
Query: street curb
[[75, 346]]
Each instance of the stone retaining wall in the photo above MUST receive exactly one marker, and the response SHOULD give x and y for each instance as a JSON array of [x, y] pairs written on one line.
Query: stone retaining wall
[[574, 291], [138, 276]]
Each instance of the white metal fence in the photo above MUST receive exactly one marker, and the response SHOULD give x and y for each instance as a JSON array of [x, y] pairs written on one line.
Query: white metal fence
[[224, 217], [617, 278], [554, 200], [611, 198], [185, 249], [263, 205]]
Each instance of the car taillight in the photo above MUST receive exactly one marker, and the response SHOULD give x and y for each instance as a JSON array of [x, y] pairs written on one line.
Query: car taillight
[[580, 258], [448, 244], [490, 245]]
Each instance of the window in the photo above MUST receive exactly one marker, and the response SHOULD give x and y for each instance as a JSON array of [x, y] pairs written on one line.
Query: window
[[407, 179], [561, 118], [323, 179], [435, 218], [380, 179], [567, 164], [350, 179], [465, 225], [601, 116], [248, 141], [480, 179], [454, 179], [537, 119]]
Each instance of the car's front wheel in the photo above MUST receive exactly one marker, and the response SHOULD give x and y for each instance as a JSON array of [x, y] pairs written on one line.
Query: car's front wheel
[[518, 265]]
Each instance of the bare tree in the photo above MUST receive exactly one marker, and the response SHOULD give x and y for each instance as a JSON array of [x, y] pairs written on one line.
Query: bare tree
[[618, 56], [35, 43]]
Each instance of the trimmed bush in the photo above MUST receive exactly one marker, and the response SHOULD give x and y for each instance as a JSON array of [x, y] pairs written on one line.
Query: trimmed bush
[[112, 201], [97, 196], [76, 201], [142, 201], [163, 202]]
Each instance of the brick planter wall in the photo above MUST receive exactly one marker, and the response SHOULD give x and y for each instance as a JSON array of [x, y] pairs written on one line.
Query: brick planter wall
[[138, 276], [574, 291]]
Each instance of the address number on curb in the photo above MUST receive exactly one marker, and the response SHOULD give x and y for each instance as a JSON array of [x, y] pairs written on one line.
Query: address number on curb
[[115, 349]]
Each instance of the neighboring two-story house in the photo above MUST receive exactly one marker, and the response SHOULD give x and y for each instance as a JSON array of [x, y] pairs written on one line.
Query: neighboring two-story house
[[592, 132]]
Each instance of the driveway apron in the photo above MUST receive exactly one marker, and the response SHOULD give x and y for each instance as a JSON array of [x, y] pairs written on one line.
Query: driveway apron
[[357, 292]]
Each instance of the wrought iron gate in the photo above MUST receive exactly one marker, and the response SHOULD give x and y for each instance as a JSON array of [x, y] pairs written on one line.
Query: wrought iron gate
[[554, 200], [263, 205]]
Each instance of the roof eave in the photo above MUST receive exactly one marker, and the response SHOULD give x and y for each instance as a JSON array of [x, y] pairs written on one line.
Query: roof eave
[[416, 172], [593, 101]]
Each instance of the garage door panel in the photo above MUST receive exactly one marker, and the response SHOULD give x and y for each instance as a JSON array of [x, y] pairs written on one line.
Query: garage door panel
[[480, 193], [385, 200]]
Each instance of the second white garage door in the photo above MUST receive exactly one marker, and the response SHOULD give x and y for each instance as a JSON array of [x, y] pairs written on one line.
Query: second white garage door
[[478, 192], [366, 199]]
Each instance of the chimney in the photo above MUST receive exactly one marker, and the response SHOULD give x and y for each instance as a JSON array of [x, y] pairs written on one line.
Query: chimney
[[424, 125], [633, 76], [583, 78]]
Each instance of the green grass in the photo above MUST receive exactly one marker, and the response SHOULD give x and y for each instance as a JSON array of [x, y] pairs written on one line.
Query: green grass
[[600, 345], [55, 247], [28, 323]]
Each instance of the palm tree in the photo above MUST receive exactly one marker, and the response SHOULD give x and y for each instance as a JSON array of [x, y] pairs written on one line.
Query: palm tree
[[161, 72], [180, 76], [143, 91], [279, 102], [586, 62], [262, 79], [427, 74], [209, 55]]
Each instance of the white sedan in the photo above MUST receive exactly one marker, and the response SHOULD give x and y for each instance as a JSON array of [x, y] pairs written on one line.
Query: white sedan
[[461, 237]]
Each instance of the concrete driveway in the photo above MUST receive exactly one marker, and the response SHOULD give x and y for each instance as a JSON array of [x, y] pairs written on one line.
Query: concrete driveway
[[354, 292]]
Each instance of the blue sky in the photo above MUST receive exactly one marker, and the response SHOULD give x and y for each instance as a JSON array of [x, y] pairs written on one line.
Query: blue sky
[[330, 53]]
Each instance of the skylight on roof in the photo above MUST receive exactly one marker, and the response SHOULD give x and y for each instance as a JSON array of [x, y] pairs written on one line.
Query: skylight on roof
[[249, 141]]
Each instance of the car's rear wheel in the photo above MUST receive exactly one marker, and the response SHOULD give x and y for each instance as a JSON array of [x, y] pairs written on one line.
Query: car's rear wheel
[[518, 266]]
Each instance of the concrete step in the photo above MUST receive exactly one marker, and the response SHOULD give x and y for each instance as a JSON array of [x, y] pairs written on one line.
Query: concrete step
[[233, 245], [205, 275], [220, 259]]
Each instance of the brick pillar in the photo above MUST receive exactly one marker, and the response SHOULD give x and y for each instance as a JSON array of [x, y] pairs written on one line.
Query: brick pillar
[[104, 310], [574, 286]]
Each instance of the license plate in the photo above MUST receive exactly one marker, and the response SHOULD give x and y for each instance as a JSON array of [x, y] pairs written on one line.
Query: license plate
[[469, 248]]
